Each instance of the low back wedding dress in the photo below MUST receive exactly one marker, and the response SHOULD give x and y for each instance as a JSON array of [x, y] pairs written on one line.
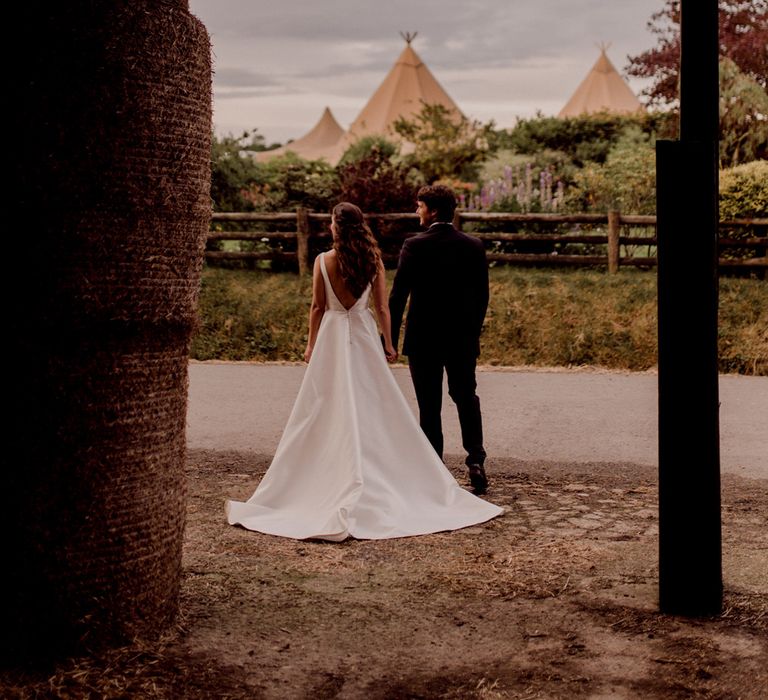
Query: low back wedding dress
[[352, 460]]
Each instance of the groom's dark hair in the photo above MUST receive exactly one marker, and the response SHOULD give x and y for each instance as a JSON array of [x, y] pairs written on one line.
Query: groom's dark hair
[[438, 198]]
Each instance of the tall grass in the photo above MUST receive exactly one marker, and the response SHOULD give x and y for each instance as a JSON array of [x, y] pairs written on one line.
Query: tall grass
[[251, 315], [567, 318], [536, 317]]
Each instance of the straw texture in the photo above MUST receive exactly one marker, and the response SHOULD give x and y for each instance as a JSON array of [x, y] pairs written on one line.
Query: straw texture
[[115, 183]]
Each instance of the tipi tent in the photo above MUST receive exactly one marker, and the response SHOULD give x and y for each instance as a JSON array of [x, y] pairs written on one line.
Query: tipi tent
[[603, 90], [319, 142], [408, 85]]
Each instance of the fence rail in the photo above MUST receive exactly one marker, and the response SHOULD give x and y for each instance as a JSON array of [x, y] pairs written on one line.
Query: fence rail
[[308, 234]]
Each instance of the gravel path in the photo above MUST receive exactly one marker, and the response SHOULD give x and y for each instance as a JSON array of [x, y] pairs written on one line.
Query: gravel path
[[569, 416]]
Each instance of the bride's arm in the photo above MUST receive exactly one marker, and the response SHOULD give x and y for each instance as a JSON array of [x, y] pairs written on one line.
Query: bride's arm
[[381, 304], [316, 310]]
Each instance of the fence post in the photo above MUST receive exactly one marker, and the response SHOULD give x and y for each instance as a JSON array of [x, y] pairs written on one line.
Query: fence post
[[457, 219], [613, 241], [302, 238]]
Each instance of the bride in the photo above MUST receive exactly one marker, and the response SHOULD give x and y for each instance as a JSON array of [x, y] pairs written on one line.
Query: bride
[[352, 460]]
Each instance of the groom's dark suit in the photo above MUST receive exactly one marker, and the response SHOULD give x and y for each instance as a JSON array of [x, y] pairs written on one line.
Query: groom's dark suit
[[445, 273]]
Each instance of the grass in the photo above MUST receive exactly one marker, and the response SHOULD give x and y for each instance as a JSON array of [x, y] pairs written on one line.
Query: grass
[[536, 317]]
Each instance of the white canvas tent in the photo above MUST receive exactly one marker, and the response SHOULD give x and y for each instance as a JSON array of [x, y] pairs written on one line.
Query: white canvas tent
[[319, 142], [603, 90], [406, 88], [408, 85]]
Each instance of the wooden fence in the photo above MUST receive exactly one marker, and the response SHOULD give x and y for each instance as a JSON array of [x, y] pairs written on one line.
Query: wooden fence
[[307, 233]]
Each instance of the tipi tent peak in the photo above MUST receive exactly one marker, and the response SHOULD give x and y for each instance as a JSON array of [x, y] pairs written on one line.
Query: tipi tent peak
[[405, 90], [603, 90], [318, 142]]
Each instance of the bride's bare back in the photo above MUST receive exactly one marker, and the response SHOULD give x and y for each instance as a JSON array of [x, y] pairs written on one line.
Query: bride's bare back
[[340, 288], [347, 300]]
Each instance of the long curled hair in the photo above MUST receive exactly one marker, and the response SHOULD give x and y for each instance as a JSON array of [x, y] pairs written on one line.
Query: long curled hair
[[356, 249]]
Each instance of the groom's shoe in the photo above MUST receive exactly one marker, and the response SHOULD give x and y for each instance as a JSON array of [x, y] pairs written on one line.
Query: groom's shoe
[[478, 479]]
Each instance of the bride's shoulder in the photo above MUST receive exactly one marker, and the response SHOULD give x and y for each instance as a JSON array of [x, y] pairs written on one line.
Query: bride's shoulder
[[330, 258], [330, 261]]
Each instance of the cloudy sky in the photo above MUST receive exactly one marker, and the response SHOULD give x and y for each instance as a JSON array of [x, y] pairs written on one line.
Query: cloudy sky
[[278, 63]]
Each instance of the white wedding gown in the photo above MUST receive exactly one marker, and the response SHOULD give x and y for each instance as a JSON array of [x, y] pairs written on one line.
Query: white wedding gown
[[352, 460]]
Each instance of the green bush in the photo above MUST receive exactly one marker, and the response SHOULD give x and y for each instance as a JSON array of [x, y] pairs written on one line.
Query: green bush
[[743, 195], [364, 147], [744, 191], [583, 139], [445, 146], [371, 176], [240, 183], [626, 181], [288, 181]]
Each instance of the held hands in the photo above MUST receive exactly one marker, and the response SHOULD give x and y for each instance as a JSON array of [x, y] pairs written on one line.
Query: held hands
[[390, 351]]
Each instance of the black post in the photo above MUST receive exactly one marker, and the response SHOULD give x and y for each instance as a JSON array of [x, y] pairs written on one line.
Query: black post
[[690, 570]]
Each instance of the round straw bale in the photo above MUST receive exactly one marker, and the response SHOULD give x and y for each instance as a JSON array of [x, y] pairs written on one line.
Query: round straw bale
[[116, 102]]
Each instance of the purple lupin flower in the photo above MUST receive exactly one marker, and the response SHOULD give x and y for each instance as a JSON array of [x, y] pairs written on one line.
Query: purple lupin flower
[[521, 195], [508, 175], [528, 183]]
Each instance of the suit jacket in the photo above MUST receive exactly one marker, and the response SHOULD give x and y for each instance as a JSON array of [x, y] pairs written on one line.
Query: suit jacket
[[445, 273]]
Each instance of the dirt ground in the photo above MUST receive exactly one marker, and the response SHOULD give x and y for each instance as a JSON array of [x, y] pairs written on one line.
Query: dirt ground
[[555, 599]]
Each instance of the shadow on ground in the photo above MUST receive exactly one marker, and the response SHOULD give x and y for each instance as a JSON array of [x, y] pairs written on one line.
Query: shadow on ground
[[555, 599]]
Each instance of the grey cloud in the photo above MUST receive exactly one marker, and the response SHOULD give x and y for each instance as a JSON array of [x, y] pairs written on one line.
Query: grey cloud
[[367, 65], [494, 30], [241, 77], [230, 94], [335, 20]]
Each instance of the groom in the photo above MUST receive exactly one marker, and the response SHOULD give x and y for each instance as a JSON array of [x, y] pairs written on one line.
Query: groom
[[445, 273]]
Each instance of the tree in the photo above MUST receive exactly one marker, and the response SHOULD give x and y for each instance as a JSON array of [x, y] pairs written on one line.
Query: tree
[[743, 117], [582, 139], [233, 170], [743, 39], [445, 146], [257, 143], [365, 146], [372, 179], [114, 112]]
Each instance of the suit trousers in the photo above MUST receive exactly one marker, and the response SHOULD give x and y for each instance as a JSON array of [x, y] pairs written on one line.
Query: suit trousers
[[427, 376]]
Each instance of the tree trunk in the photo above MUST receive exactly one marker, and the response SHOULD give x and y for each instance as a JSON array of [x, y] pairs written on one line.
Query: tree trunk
[[115, 120]]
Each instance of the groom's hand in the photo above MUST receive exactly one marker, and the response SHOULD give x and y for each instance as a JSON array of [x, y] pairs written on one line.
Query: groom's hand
[[390, 352]]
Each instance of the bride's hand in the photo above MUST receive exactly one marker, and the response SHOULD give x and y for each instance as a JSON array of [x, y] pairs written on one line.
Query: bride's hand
[[307, 354]]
